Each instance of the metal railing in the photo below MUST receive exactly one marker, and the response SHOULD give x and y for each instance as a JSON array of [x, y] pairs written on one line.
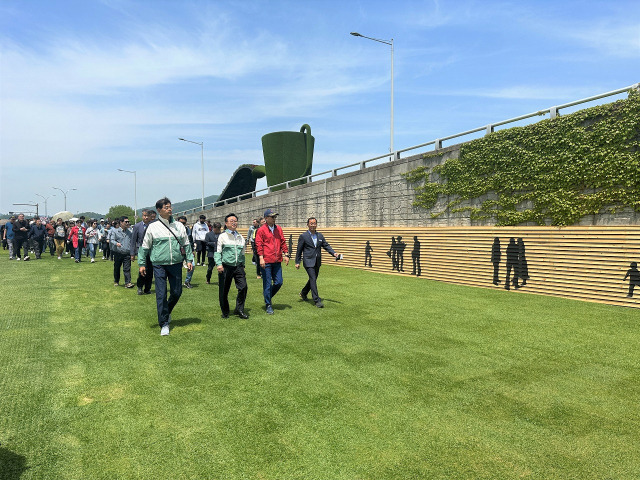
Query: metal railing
[[552, 111]]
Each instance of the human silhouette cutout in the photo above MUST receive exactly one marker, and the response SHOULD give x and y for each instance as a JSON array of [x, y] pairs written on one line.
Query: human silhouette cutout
[[400, 246], [512, 264], [367, 254], [290, 244], [496, 255], [393, 254], [634, 277], [415, 257], [523, 266]]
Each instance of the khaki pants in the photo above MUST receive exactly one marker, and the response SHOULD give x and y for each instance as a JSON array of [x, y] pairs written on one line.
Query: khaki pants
[[59, 246]]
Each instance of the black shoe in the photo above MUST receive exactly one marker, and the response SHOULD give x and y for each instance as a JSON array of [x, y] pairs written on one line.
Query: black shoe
[[140, 291], [225, 315], [241, 314], [303, 297], [147, 292], [319, 304], [188, 284]]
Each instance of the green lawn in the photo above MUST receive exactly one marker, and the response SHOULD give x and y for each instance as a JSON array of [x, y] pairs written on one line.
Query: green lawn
[[397, 378]]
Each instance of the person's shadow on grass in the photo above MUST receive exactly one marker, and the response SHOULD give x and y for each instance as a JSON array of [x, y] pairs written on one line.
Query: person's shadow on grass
[[180, 322], [12, 465]]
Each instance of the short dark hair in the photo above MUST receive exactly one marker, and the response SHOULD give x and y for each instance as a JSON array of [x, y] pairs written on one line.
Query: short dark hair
[[311, 218], [230, 215], [182, 217], [202, 217], [162, 202], [217, 225], [152, 212], [123, 218]]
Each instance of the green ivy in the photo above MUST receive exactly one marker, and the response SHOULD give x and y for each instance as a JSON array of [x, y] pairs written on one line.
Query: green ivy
[[555, 171]]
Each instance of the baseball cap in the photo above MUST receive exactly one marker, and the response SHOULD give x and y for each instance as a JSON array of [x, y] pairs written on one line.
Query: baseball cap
[[270, 213]]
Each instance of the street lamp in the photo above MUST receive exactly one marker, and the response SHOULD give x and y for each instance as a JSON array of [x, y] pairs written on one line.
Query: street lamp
[[135, 193], [202, 151], [386, 42], [65, 195], [46, 214]]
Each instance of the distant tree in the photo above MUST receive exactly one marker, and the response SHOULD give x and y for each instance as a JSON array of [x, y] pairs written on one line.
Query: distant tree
[[88, 215], [119, 210]]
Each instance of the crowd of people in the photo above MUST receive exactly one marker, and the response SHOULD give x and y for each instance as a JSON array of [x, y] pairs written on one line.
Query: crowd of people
[[164, 246]]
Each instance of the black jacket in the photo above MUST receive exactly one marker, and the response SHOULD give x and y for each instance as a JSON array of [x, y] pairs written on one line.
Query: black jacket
[[37, 232], [211, 240], [19, 234]]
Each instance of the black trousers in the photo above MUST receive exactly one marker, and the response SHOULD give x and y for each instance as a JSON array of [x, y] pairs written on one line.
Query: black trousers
[[201, 251], [210, 267], [311, 284], [20, 243], [147, 279], [124, 260], [230, 274]]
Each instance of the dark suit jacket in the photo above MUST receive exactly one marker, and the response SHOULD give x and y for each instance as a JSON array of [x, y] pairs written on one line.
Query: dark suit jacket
[[310, 253], [137, 235]]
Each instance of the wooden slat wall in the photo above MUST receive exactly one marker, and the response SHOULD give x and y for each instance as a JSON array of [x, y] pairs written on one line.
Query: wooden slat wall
[[584, 263]]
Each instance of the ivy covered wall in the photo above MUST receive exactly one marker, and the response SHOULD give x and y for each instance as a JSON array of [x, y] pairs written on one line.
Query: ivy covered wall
[[554, 172]]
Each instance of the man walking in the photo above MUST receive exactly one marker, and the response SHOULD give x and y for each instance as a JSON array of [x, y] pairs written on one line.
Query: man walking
[[309, 251], [121, 246], [166, 245], [187, 281], [211, 241], [200, 230], [137, 235], [229, 258], [20, 235], [271, 247], [9, 236], [37, 234]]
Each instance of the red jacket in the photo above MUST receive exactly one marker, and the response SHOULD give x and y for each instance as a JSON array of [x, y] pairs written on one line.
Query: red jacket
[[271, 245], [73, 236]]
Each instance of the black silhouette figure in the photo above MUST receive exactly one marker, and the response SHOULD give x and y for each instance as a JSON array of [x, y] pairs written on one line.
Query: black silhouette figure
[[400, 246], [290, 244], [367, 254], [523, 266], [496, 255], [512, 264], [393, 254], [415, 257], [634, 278]]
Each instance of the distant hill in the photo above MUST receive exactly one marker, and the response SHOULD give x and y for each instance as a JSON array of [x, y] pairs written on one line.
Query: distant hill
[[177, 207], [95, 215], [186, 204]]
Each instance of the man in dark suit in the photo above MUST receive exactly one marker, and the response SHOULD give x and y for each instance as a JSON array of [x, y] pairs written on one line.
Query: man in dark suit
[[137, 235], [309, 250]]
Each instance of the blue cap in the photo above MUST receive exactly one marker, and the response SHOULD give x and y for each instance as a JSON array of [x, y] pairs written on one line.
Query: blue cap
[[270, 213]]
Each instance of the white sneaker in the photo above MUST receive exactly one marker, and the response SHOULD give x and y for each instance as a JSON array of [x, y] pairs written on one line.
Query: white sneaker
[[18, 259], [103, 258], [93, 260], [164, 330], [59, 258], [26, 258]]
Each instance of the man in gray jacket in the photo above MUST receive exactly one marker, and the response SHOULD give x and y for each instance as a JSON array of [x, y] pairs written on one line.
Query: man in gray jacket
[[120, 243]]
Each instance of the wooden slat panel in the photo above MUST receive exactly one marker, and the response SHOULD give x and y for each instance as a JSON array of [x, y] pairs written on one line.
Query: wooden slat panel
[[585, 263]]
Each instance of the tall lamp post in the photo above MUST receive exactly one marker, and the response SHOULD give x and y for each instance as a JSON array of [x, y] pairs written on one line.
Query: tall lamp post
[[65, 195], [202, 151], [386, 42], [135, 193], [46, 214]]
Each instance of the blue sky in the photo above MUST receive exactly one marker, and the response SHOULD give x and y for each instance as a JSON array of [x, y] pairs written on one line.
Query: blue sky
[[88, 86]]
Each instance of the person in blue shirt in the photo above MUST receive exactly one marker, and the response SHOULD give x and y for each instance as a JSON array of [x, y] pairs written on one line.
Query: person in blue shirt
[[8, 236]]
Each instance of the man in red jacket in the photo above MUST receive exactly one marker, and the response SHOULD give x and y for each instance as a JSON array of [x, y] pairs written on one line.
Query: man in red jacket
[[271, 247]]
